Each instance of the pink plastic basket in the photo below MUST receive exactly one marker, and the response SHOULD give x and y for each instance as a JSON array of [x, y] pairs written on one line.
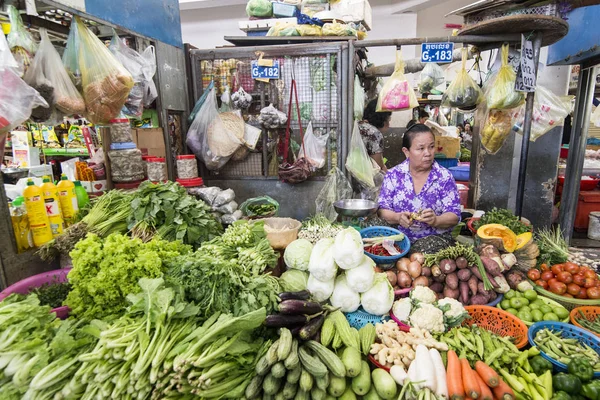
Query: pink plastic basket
[[24, 286]]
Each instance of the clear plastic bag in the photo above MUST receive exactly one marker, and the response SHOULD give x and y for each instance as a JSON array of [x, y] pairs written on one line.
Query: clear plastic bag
[[283, 29], [241, 99], [200, 101], [549, 111], [496, 129], [134, 63], [314, 148], [70, 57], [149, 70], [6, 58], [337, 29], [397, 94], [17, 99], [20, 41], [595, 118], [272, 118], [359, 99], [463, 92], [106, 83], [226, 101], [37, 79], [251, 207], [358, 161], [337, 187], [309, 30], [501, 93], [259, 8], [431, 77]]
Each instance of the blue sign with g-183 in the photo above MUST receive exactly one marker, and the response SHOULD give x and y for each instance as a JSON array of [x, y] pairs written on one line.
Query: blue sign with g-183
[[436, 52]]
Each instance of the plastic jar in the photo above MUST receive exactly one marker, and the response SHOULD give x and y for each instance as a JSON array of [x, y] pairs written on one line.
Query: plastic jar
[[145, 161], [128, 186], [187, 167], [126, 162], [157, 169], [191, 184], [120, 130]]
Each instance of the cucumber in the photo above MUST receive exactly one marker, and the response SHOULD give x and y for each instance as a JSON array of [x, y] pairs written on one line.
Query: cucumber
[[289, 390], [262, 366], [293, 376], [367, 336], [337, 386], [327, 332], [384, 384], [317, 394], [322, 382], [310, 363], [362, 383], [271, 384], [285, 344], [306, 381], [302, 395], [333, 362], [254, 387], [278, 370], [292, 360], [372, 395], [279, 396], [348, 394], [351, 358]]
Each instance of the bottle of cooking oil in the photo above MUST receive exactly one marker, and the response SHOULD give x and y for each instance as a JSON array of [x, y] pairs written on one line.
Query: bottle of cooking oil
[[36, 214], [68, 199], [52, 202], [18, 215]]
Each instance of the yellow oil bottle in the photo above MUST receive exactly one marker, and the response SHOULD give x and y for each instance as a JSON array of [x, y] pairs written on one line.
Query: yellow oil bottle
[[20, 223], [68, 199], [36, 213], [52, 204]]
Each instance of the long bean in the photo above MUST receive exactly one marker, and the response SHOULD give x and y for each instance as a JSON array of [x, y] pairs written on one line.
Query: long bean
[[592, 324]]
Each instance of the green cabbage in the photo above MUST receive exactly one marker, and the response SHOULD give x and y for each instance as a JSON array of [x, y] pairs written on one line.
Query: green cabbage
[[293, 280], [297, 254]]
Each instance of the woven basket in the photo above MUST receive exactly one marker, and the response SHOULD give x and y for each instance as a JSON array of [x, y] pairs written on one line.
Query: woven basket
[[225, 134], [589, 312], [546, 300], [566, 302], [499, 322]]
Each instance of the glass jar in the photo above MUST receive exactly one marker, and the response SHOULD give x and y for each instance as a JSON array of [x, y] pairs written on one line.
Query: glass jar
[[126, 162], [187, 166], [120, 130], [157, 169]]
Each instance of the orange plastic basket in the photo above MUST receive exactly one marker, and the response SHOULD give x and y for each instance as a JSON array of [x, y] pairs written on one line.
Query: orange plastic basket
[[589, 312], [499, 322]]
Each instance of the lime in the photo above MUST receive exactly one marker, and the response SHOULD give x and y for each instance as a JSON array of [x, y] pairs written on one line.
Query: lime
[[534, 306], [530, 295], [561, 312], [537, 315], [510, 294], [525, 316], [546, 309], [550, 317], [517, 302], [505, 304], [525, 309], [512, 311]]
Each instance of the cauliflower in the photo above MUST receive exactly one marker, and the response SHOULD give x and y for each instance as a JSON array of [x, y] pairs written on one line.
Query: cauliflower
[[423, 294], [454, 311], [402, 309], [428, 317]]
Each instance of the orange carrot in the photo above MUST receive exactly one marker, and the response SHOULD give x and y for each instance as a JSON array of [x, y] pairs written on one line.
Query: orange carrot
[[469, 382], [503, 391], [454, 378], [489, 376], [486, 392]]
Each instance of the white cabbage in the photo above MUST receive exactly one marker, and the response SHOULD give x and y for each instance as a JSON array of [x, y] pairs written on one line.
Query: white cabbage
[[344, 298], [348, 249], [360, 279], [297, 254], [322, 265], [379, 299], [320, 291]]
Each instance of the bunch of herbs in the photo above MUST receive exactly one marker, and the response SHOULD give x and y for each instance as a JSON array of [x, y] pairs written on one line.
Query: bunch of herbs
[[504, 217]]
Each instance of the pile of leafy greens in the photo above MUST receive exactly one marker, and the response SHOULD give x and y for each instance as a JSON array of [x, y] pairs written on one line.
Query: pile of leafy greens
[[503, 217]]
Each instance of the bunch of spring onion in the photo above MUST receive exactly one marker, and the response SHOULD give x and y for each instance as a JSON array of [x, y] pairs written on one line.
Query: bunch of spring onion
[[318, 227]]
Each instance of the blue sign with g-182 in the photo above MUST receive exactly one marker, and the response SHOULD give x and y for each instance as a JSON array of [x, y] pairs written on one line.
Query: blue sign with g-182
[[436, 52], [262, 72]]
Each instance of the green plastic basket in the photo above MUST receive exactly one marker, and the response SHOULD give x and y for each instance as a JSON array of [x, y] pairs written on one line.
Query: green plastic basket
[[566, 302]]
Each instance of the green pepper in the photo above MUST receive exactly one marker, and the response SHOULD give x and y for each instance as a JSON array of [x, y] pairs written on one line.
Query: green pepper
[[591, 390], [581, 368], [561, 396], [567, 383], [540, 365]]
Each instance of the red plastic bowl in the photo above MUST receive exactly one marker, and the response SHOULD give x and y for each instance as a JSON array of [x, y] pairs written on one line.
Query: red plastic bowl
[[584, 185], [24, 286]]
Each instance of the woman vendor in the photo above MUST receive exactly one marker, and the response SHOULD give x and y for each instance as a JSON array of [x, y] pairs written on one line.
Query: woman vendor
[[372, 128], [419, 195]]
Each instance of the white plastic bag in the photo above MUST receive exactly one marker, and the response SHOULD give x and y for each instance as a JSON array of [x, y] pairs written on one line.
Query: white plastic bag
[[36, 78], [20, 41], [595, 118], [336, 188], [549, 110], [6, 58], [314, 148], [431, 77], [17, 99], [134, 63], [359, 99], [149, 70], [358, 161]]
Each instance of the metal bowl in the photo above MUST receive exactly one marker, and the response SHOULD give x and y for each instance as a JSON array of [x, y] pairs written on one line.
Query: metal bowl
[[355, 207], [12, 175]]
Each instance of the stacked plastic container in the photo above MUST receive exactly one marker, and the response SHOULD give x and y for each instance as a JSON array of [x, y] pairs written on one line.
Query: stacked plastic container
[[187, 172], [125, 158]]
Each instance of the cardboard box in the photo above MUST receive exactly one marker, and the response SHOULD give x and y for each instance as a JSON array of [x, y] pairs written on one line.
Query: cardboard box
[[354, 11], [150, 141], [448, 147]]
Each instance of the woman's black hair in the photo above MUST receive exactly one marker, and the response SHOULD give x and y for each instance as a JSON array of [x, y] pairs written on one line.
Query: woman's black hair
[[410, 123], [413, 131], [377, 119], [423, 114]]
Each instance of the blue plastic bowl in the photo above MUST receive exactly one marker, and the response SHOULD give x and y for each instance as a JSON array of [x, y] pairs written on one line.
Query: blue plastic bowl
[[377, 231], [360, 318], [566, 331], [460, 173], [497, 301], [447, 162]]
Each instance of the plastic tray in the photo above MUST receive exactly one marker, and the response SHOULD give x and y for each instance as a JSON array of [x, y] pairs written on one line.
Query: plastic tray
[[546, 300], [460, 173], [588, 312], [360, 318], [567, 331], [376, 231], [499, 322], [566, 302]]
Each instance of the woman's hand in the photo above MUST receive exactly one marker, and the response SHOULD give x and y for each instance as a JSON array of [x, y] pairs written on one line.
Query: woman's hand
[[428, 217], [404, 219]]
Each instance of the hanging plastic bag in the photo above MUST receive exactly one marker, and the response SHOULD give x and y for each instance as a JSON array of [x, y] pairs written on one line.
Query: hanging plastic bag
[[595, 118], [549, 111], [70, 57], [6, 58], [106, 83], [272, 118], [262, 207], [20, 41], [501, 93], [359, 99], [226, 101], [463, 92], [149, 69], [337, 187], [431, 77], [259, 8], [200, 101], [17, 99], [496, 129], [314, 148], [358, 161], [397, 94], [134, 63], [240, 99]]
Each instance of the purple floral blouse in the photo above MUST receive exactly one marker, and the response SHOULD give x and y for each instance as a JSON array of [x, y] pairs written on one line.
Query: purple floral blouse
[[439, 193]]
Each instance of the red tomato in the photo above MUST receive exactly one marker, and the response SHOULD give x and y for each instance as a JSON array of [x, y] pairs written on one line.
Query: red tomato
[[558, 268], [571, 268], [573, 289], [579, 279], [582, 294], [557, 287], [553, 281], [593, 293], [565, 277], [568, 295], [584, 268], [544, 267], [590, 274], [534, 274], [542, 283], [589, 282], [547, 275]]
